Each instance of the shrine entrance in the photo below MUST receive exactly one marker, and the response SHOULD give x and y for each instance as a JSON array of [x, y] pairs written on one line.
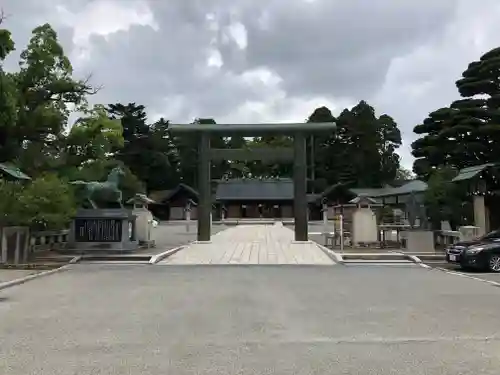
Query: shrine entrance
[[295, 154]]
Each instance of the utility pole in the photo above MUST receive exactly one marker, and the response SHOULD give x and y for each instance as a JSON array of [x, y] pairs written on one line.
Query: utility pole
[[313, 175]]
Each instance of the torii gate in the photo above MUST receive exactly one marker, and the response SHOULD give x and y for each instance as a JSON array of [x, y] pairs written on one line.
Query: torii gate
[[297, 153]]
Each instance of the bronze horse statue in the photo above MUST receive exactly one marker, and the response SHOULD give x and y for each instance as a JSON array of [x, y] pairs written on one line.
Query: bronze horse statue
[[106, 191]]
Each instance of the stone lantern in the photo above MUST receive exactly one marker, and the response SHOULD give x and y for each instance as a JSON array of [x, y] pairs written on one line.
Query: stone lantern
[[324, 212], [478, 189], [144, 219], [364, 220]]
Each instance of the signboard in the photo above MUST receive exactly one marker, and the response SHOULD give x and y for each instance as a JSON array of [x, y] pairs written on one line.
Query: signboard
[[98, 230]]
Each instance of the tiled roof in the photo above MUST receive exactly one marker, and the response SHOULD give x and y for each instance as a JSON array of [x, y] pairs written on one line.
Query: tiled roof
[[470, 172], [13, 172], [159, 195], [163, 196], [362, 198], [415, 186], [370, 192]]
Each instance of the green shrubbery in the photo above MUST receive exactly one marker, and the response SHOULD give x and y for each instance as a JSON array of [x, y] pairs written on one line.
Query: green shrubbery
[[46, 203]]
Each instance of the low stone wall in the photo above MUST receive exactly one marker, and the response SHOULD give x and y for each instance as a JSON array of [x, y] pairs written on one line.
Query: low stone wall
[[14, 245], [18, 243], [48, 240]]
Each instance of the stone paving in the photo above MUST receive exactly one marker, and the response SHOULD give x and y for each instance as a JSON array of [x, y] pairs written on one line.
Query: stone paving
[[168, 235], [251, 244]]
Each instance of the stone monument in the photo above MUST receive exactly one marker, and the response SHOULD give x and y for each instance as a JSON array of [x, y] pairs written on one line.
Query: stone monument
[[419, 238], [102, 224]]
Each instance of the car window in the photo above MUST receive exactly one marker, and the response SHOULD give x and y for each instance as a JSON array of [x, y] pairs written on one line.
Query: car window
[[492, 235]]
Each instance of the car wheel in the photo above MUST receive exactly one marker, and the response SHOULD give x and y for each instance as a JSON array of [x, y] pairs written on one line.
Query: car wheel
[[494, 263]]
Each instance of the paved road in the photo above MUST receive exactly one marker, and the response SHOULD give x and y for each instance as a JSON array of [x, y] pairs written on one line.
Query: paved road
[[483, 275], [251, 244], [138, 319], [10, 274]]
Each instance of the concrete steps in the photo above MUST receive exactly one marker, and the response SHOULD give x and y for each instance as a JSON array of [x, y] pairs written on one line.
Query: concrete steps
[[57, 259], [117, 262], [379, 263], [108, 258], [375, 257], [429, 257]]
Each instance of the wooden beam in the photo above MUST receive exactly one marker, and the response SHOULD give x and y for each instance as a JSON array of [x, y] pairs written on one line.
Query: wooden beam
[[265, 154], [205, 190], [255, 129], [300, 188]]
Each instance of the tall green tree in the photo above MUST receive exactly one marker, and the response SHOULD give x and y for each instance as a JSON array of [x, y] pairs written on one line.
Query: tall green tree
[[91, 148], [165, 167], [237, 168], [8, 97], [147, 149], [465, 133], [219, 168], [188, 156], [320, 150], [444, 198], [40, 97], [389, 140], [46, 203], [403, 175], [93, 138], [362, 150], [271, 168]]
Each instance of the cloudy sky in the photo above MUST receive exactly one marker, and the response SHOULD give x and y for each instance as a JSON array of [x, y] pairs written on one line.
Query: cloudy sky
[[268, 61]]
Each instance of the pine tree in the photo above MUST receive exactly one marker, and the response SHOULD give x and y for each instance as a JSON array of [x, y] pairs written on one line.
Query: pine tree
[[466, 132]]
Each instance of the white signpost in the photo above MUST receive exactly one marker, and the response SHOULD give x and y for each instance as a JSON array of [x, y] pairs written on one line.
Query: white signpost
[[188, 216], [326, 230], [341, 230]]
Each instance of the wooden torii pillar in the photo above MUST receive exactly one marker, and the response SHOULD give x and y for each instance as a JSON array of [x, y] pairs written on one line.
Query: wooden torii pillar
[[297, 154]]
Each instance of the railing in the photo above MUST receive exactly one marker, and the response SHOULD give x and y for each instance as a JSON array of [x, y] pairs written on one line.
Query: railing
[[48, 240], [18, 243]]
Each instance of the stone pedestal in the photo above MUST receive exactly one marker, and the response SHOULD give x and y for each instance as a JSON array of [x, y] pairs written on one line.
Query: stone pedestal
[[103, 231], [419, 241], [364, 226]]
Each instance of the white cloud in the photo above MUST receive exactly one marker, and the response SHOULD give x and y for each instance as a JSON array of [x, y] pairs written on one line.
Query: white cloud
[[274, 61], [238, 33], [214, 59], [423, 79], [103, 18]]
